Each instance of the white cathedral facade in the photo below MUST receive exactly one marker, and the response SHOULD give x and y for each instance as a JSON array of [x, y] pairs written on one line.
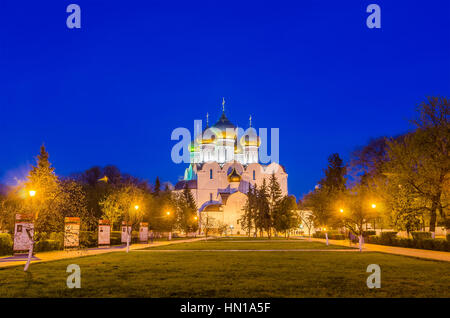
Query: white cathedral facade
[[223, 166]]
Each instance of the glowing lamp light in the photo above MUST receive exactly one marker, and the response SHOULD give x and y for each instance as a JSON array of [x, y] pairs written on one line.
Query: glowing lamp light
[[341, 210], [136, 207], [195, 218], [374, 205], [32, 193], [168, 212]]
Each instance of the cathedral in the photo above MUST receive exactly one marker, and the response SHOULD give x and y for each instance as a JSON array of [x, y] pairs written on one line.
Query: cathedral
[[223, 165]]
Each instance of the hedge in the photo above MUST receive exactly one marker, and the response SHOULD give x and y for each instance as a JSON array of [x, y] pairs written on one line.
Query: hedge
[[427, 244], [48, 245], [331, 235], [88, 239], [6, 244], [421, 235], [388, 237], [368, 233]]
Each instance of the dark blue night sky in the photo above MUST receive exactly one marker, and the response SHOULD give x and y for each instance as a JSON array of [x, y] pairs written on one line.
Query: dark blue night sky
[[113, 91]]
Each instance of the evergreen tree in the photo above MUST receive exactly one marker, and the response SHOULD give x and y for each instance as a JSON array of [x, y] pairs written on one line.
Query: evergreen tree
[[263, 218], [248, 217], [284, 216], [275, 194], [187, 211], [334, 180], [42, 177], [275, 197], [157, 187], [43, 180]]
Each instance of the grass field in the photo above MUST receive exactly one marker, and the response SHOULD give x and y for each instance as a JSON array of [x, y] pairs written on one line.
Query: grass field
[[248, 245], [231, 274]]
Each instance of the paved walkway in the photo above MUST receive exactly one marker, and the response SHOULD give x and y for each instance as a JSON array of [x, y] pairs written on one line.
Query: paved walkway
[[21, 259], [413, 252]]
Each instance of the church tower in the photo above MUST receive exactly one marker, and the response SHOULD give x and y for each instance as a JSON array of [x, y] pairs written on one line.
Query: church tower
[[250, 143], [220, 143], [226, 135]]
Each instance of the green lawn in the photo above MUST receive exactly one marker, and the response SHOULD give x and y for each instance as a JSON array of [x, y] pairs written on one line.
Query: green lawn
[[231, 274], [248, 245]]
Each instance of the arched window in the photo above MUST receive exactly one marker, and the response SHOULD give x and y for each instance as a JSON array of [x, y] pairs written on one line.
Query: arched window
[[254, 175], [210, 173]]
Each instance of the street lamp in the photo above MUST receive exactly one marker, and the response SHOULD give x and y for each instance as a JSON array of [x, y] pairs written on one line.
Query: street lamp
[[170, 233], [136, 207], [374, 205], [32, 193], [341, 210]]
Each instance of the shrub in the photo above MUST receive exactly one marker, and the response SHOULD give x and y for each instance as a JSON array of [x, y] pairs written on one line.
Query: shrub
[[332, 235], [445, 223], [88, 238], [6, 244], [428, 244], [116, 237], [442, 245], [57, 237], [319, 235], [368, 233], [421, 235], [48, 245], [337, 237], [41, 236], [388, 236]]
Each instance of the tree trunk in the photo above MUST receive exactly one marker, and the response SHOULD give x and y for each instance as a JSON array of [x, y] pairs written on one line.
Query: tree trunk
[[433, 216], [128, 240], [30, 255]]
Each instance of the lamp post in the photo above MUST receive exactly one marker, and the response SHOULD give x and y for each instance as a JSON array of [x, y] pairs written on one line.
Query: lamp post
[[170, 232], [350, 235], [129, 230], [198, 225]]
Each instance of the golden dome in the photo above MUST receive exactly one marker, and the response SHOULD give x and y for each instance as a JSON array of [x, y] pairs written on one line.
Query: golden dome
[[234, 176], [250, 138], [224, 128], [208, 136]]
